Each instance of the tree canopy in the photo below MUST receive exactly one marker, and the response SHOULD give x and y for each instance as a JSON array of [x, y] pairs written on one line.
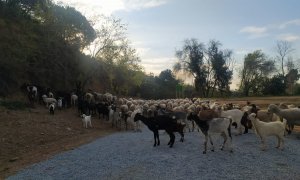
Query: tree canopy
[[209, 66]]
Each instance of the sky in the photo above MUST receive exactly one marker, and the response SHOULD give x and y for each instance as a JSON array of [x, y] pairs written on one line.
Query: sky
[[157, 28]]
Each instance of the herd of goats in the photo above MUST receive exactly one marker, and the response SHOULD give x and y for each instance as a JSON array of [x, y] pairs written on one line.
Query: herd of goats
[[176, 115]]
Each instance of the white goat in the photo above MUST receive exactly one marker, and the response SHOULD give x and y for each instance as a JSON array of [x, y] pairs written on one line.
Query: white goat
[[291, 115], [86, 120], [265, 129], [236, 116], [137, 126], [74, 99], [48, 100], [114, 116], [59, 103], [50, 95]]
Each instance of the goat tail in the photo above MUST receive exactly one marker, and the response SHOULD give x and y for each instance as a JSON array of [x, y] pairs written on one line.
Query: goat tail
[[229, 127]]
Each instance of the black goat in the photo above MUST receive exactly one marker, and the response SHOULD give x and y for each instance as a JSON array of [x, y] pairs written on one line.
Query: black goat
[[103, 109], [162, 122], [246, 122]]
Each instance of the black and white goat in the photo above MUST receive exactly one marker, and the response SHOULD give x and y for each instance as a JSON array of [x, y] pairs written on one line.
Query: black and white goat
[[51, 108], [219, 125], [32, 92]]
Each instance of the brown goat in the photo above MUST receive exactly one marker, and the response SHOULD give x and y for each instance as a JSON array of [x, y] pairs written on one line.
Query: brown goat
[[208, 114]]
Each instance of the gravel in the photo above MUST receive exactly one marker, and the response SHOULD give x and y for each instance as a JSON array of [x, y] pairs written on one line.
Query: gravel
[[131, 155]]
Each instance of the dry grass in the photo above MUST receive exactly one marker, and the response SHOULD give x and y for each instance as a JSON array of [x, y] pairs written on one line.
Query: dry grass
[[32, 135]]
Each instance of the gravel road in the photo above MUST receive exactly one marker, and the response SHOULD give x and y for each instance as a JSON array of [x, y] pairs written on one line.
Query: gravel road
[[131, 155]]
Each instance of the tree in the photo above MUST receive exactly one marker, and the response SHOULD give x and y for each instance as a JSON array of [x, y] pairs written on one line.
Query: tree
[[110, 34], [70, 25], [291, 79], [167, 83], [274, 86], [256, 68], [283, 48], [191, 60], [149, 87], [209, 67], [220, 64], [39, 54]]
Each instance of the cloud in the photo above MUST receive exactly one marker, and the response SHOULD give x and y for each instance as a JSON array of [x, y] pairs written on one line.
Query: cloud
[[142, 51], [288, 37], [254, 32], [156, 65], [295, 22], [107, 7], [242, 51], [142, 4]]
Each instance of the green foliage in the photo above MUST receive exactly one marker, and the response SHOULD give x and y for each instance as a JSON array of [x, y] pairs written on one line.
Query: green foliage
[[70, 25], [297, 89], [149, 88], [159, 87], [256, 68], [33, 53], [274, 86]]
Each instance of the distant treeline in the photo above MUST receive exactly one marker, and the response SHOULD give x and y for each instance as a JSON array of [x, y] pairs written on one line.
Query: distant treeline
[[42, 43]]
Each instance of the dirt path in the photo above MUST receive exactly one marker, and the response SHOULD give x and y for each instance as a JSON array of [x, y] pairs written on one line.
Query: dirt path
[[33, 135]]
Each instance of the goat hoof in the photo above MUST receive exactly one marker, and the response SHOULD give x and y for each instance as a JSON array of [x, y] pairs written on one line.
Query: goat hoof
[[213, 150], [204, 152]]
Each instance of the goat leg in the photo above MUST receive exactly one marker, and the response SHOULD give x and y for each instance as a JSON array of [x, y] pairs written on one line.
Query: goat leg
[[225, 139], [212, 144], [205, 144], [172, 139], [154, 139], [263, 144]]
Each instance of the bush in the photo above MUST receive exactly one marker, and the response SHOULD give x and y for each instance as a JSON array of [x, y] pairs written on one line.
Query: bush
[[297, 89]]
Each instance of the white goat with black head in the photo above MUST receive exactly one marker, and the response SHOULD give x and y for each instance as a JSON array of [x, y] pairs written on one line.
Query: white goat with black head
[[214, 126]]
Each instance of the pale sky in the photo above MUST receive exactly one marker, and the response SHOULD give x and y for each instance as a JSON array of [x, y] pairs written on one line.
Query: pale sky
[[157, 28]]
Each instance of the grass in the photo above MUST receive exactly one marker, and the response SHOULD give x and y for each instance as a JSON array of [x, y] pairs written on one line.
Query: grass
[[13, 105]]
